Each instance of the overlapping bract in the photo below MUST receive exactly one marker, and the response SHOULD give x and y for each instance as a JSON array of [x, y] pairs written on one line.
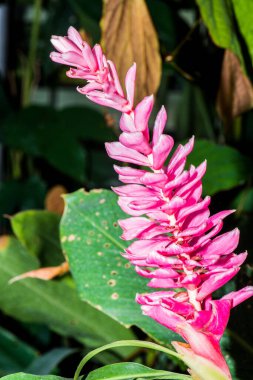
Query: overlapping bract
[[177, 246]]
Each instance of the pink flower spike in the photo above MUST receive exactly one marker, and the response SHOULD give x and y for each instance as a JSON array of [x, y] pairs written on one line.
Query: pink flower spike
[[176, 238], [130, 84]]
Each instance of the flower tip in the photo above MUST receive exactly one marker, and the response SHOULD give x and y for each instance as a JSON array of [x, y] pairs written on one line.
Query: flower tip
[[71, 29]]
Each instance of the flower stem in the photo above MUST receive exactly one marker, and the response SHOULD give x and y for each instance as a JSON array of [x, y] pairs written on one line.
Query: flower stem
[[123, 343]]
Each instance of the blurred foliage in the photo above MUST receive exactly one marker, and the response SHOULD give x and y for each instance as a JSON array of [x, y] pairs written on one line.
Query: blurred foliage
[[50, 137]]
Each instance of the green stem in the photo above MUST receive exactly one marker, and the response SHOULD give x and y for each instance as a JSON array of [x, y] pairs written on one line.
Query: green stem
[[123, 343], [16, 159], [30, 65]]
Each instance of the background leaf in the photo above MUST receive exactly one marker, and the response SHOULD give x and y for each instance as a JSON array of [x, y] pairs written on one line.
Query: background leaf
[[90, 238], [38, 231], [128, 36], [243, 13], [219, 18], [226, 167], [15, 354], [44, 364], [56, 136]]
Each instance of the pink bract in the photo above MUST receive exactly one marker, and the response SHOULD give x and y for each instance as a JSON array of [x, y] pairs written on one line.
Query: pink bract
[[177, 245]]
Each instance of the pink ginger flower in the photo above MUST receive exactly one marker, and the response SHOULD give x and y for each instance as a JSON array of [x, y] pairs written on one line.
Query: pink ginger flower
[[177, 246]]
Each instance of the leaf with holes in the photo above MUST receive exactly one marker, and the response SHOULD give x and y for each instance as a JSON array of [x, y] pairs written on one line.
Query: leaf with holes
[[90, 238], [53, 303]]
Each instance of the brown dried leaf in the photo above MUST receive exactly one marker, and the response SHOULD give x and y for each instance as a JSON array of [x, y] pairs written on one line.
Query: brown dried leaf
[[235, 94], [128, 35], [54, 201], [43, 273]]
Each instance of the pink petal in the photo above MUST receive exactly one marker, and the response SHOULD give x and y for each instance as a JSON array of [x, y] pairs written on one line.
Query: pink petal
[[161, 151], [129, 175], [126, 123], [89, 57], [115, 78], [75, 37], [159, 126], [119, 152], [142, 113], [135, 140], [177, 161], [215, 281], [239, 296], [130, 84], [97, 52], [132, 227]]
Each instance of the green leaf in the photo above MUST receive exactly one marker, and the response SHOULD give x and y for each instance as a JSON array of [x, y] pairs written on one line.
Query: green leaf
[[121, 371], [38, 231], [226, 167], [25, 376], [15, 355], [90, 238], [86, 124], [219, 18], [243, 13], [44, 364], [193, 106], [53, 303], [56, 136]]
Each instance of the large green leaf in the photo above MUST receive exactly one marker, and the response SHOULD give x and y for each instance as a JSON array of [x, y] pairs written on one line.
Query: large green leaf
[[219, 18], [90, 238], [38, 231], [15, 355], [243, 12], [53, 303], [226, 167], [25, 376], [121, 371]]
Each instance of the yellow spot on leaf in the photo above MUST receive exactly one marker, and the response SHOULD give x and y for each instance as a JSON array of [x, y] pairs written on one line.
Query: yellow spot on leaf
[[114, 296], [71, 237]]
